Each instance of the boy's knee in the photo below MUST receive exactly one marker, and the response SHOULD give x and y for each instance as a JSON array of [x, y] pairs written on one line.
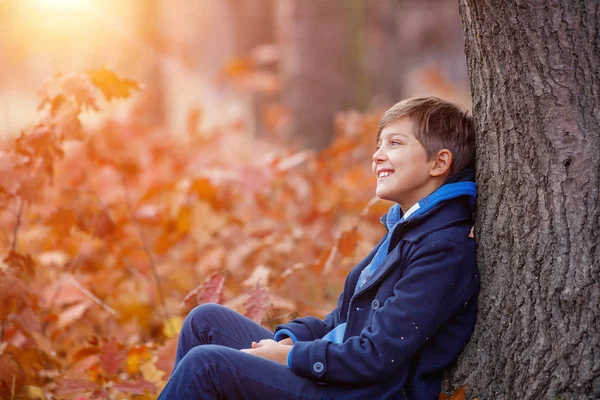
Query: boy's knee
[[204, 313]]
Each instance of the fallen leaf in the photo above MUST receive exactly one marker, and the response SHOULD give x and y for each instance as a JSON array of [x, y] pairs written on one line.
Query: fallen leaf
[[257, 304], [112, 358]]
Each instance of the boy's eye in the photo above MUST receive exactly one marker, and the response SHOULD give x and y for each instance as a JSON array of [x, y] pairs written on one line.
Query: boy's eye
[[394, 142]]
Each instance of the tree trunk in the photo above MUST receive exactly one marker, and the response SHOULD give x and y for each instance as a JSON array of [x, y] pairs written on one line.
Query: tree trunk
[[317, 65], [154, 93], [536, 100]]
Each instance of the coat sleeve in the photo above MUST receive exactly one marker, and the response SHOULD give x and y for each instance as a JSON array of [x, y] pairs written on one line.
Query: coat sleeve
[[437, 280], [309, 328]]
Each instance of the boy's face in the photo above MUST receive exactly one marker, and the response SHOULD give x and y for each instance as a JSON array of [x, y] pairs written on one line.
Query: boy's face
[[401, 166]]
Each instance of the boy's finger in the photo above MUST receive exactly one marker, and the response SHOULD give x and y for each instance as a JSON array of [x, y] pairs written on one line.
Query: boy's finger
[[266, 341]]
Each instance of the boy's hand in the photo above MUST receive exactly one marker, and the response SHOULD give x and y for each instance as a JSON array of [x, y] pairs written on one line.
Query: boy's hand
[[287, 341], [271, 350]]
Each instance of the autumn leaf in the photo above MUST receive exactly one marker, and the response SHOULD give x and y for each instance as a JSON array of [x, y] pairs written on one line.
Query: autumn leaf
[[35, 392], [135, 357], [110, 84], [76, 386], [81, 89], [172, 326], [238, 67], [23, 264], [458, 395], [72, 313], [14, 295], [347, 242], [10, 373], [112, 357], [260, 276], [257, 304], [136, 387], [209, 291], [166, 356], [85, 352]]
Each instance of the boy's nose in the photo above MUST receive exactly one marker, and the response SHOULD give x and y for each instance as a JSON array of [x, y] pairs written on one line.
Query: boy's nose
[[378, 156]]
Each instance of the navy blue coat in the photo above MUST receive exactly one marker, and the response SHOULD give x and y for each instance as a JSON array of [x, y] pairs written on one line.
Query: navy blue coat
[[408, 322]]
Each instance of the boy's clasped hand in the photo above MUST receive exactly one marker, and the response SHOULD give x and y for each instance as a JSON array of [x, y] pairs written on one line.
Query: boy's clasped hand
[[271, 350]]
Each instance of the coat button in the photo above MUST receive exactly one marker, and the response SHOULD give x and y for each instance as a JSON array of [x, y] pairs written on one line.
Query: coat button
[[375, 304], [318, 367]]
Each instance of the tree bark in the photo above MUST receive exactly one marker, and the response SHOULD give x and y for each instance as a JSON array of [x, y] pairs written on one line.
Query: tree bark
[[535, 84]]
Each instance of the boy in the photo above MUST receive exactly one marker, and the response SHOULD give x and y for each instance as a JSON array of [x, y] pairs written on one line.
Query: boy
[[407, 310]]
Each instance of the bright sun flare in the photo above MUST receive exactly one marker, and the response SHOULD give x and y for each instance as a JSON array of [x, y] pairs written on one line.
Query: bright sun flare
[[64, 4]]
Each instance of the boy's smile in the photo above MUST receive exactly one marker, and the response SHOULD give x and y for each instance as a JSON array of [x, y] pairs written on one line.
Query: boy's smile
[[401, 166]]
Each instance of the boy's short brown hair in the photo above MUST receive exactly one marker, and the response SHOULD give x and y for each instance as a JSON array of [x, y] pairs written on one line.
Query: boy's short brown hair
[[438, 124]]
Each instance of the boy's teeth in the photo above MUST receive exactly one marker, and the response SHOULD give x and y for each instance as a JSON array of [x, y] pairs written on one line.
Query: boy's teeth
[[384, 174]]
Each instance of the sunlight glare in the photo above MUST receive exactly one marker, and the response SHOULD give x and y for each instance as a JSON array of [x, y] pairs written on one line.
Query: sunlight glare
[[64, 4]]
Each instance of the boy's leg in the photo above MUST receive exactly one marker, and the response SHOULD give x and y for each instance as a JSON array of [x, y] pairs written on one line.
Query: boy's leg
[[217, 324], [209, 365], [218, 372]]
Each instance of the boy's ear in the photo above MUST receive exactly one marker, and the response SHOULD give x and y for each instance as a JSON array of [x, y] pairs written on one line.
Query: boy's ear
[[443, 161]]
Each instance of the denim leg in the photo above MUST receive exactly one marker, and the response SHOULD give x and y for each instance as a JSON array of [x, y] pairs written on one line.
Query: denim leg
[[217, 324], [218, 372]]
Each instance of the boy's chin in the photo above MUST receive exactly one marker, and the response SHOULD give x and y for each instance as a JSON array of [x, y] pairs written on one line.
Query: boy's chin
[[384, 196]]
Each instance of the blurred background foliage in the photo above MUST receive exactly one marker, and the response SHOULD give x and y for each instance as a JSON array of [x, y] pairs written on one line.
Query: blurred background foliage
[[254, 60]]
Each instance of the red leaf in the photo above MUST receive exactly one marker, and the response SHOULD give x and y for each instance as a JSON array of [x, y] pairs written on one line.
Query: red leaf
[[209, 291], [75, 386], [166, 356], [112, 358], [137, 387], [257, 304], [22, 263]]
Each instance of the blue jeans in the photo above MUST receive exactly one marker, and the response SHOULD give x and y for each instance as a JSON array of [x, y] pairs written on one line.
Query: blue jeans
[[209, 364]]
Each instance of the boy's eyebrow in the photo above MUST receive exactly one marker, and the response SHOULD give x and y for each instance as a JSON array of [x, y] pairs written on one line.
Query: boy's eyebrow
[[390, 134]]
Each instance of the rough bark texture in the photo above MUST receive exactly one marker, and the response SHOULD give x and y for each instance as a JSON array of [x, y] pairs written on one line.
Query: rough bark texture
[[534, 70]]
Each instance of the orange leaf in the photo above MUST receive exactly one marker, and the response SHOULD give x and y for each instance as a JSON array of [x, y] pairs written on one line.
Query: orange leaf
[[10, 370], [458, 395], [347, 242], [135, 357], [22, 263], [183, 222], [85, 353], [110, 84], [238, 67]]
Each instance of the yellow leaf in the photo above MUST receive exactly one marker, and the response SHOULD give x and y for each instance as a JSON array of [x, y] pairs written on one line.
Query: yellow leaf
[[135, 357], [35, 392], [151, 373], [172, 326]]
